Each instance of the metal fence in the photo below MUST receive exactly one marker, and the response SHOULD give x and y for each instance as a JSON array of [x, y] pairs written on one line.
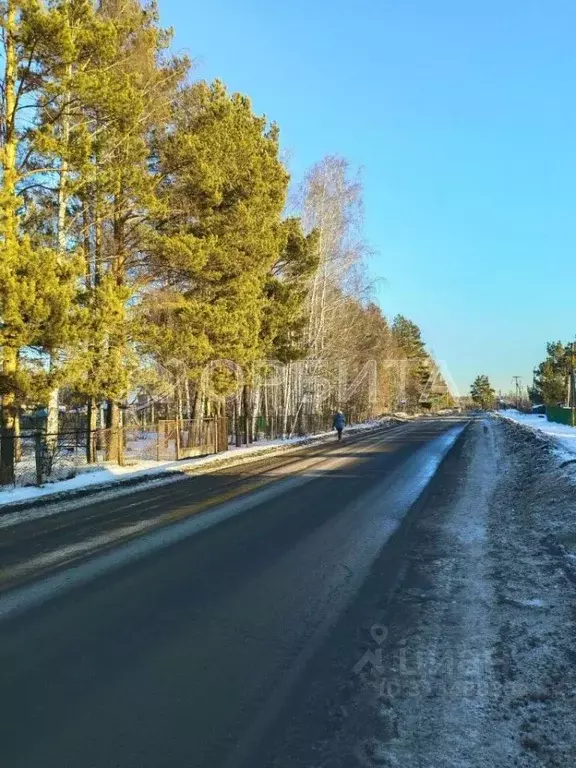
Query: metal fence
[[167, 440], [41, 457], [242, 430], [194, 437], [560, 415]]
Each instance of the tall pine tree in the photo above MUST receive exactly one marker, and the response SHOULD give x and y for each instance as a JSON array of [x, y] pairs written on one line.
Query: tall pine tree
[[35, 283], [223, 193]]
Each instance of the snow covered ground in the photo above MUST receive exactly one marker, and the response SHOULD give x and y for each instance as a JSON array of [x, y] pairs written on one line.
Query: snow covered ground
[[100, 474], [563, 435], [156, 471], [484, 673], [463, 655]]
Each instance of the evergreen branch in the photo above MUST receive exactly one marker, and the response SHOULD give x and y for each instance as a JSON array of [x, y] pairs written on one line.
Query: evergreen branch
[[27, 157], [21, 84], [35, 186]]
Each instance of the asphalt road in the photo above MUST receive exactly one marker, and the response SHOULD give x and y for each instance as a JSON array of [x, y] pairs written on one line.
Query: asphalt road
[[189, 643]]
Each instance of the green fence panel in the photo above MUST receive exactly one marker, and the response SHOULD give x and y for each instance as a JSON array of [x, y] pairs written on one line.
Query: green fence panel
[[559, 415]]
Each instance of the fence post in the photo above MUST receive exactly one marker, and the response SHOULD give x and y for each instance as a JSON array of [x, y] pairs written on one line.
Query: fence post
[[39, 457], [177, 438], [237, 424], [222, 433], [7, 447]]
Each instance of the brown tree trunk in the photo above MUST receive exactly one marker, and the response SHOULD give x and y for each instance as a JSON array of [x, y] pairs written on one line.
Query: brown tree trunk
[[197, 416], [246, 407], [7, 446], [114, 442], [9, 232], [237, 424], [17, 437], [91, 427]]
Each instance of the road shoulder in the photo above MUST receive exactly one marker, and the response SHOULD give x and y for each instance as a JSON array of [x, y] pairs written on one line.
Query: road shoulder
[[461, 646]]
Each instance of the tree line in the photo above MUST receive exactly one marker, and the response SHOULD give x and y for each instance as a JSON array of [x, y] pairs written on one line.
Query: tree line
[[145, 218], [550, 382], [551, 376]]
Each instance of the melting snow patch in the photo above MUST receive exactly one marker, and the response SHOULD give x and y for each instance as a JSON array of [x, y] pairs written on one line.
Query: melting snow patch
[[535, 602], [562, 435]]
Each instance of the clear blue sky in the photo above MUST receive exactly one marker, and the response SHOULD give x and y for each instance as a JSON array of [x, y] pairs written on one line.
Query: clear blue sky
[[462, 115]]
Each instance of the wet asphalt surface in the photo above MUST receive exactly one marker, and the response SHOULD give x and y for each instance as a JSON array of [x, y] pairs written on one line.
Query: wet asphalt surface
[[95, 517], [200, 652]]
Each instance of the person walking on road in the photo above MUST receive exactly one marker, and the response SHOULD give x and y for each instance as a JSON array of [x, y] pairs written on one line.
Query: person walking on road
[[338, 423]]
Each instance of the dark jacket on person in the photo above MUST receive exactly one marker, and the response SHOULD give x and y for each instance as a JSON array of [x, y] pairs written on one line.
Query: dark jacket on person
[[339, 421]]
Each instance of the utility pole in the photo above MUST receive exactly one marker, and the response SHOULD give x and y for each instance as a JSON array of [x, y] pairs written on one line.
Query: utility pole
[[518, 382], [572, 393]]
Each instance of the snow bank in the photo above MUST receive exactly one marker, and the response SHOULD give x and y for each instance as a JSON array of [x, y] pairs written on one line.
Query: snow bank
[[563, 435], [102, 475]]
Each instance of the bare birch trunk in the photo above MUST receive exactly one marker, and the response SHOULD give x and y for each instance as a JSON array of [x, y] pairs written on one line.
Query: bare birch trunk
[[287, 397]]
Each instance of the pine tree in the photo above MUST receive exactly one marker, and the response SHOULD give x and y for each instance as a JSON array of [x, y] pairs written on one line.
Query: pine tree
[[550, 377], [282, 336], [223, 195], [36, 286], [412, 353], [117, 102], [69, 57], [142, 221], [482, 393]]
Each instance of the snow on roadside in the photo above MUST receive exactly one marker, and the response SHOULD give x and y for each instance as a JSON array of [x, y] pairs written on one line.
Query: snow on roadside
[[533, 567], [99, 474], [431, 696], [563, 435], [118, 481], [471, 662]]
